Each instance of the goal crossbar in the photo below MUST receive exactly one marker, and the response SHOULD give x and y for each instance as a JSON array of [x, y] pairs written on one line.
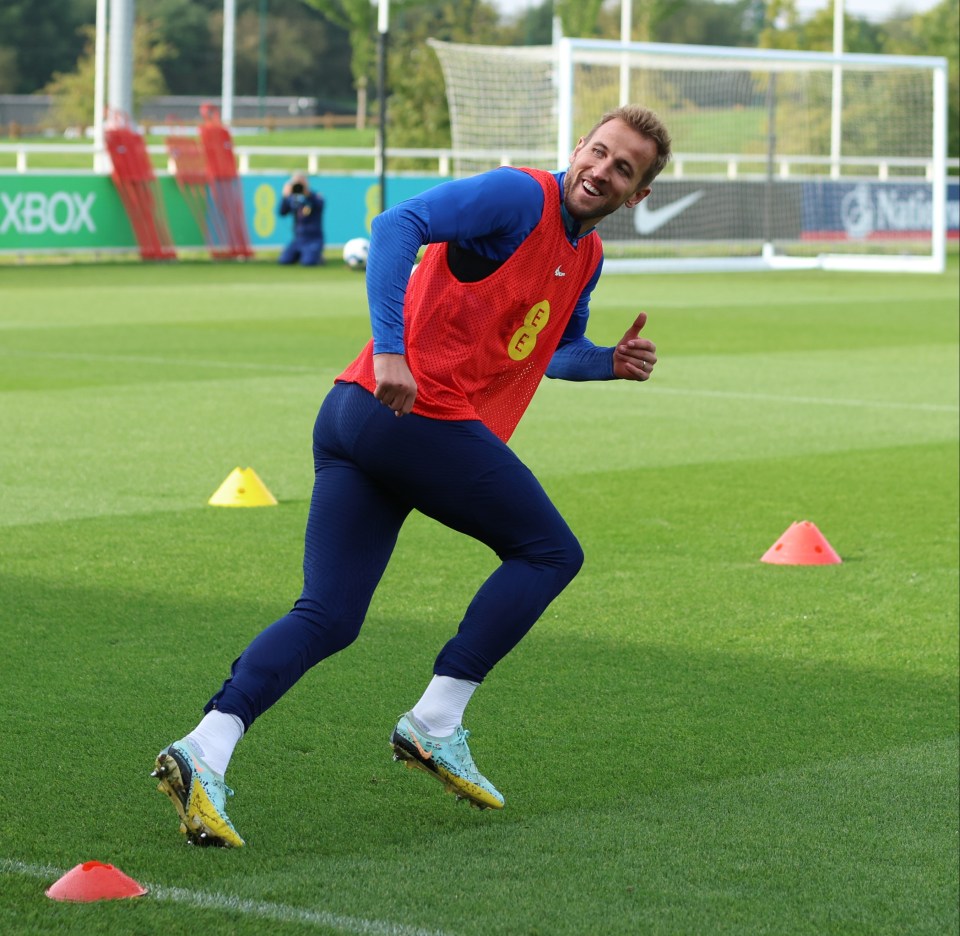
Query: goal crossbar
[[782, 159]]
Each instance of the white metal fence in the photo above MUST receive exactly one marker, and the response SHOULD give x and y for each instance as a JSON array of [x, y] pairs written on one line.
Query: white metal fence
[[313, 158]]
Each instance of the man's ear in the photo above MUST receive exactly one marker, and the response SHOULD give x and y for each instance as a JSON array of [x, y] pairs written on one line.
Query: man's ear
[[577, 148], [637, 197]]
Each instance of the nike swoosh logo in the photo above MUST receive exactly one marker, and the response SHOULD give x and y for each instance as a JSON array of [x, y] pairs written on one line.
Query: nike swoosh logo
[[426, 755], [647, 220]]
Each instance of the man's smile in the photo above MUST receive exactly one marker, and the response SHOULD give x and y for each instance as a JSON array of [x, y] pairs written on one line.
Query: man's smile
[[590, 188]]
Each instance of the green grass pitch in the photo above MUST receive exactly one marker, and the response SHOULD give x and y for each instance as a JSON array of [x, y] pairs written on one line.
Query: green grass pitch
[[690, 741]]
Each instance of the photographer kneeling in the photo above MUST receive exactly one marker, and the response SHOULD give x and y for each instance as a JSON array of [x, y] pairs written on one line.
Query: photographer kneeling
[[307, 209]]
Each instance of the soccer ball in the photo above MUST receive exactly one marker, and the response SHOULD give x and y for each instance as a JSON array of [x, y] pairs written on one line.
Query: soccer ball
[[355, 253]]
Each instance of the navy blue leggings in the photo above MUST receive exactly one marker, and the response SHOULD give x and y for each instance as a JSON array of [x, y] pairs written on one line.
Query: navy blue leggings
[[372, 469]]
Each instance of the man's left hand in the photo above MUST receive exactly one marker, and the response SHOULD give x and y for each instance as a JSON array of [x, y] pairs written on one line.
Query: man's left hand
[[634, 357]]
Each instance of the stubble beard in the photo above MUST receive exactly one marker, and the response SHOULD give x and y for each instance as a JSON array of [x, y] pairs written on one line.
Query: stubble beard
[[585, 219]]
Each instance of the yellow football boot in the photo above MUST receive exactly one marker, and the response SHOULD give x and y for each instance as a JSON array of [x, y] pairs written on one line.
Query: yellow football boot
[[198, 794]]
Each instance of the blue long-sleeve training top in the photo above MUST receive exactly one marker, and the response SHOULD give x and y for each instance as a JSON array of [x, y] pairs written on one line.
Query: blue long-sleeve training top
[[489, 214]]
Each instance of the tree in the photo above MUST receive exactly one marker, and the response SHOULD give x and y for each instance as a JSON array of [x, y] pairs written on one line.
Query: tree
[[780, 25], [8, 69], [73, 91], [418, 104], [859, 35], [936, 32], [703, 22], [534, 26], [295, 44], [578, 17], [38, 37], [189, 27], [305, 54], [358, 18]]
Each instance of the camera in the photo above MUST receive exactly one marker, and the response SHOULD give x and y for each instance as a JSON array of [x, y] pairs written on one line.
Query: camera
[[297, 188]]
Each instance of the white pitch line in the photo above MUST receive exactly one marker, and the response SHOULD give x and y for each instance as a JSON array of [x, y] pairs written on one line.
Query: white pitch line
[[281, 913]]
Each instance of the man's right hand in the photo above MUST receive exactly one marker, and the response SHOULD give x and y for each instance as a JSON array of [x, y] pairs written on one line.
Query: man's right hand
[[396, 387]]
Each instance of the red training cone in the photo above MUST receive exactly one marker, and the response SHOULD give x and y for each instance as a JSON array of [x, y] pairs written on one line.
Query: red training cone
[[801, 544], [95, 880]]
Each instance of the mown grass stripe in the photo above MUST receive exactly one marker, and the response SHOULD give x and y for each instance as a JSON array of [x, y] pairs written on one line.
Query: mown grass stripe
[[666, 391], [802, 400], [161, 361]]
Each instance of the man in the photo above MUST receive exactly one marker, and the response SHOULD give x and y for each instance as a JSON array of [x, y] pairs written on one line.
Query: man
[[307, 210], [420, 420]]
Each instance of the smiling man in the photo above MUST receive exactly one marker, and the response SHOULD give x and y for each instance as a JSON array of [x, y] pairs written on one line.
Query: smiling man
[[420, 421]]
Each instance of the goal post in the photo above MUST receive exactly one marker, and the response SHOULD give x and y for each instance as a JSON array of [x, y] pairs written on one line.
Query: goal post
[[757, 180]]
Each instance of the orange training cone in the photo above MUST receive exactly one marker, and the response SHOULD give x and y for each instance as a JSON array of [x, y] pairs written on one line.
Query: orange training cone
[[95, 880], [242, 489], [801, 544]]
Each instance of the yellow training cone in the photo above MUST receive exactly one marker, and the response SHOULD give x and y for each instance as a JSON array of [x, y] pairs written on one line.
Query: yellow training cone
[[242, 489]]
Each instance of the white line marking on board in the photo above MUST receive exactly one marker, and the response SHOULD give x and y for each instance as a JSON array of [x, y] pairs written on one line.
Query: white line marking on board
[[282, 913]]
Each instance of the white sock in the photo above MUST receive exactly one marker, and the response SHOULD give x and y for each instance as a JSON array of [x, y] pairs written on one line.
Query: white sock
[[440, 709], [215, 738]]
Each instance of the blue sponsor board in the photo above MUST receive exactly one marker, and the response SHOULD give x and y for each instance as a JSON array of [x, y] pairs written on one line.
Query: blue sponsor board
[[874, 210], [350, 204]]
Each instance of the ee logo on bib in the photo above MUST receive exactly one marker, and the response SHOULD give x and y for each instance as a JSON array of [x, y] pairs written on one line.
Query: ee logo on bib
[[524, 339]]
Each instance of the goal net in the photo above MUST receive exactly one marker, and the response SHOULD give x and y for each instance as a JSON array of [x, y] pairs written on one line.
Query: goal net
[[781, 158]]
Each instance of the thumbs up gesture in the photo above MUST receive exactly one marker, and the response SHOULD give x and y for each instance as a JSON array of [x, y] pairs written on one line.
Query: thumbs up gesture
[[634, 357]]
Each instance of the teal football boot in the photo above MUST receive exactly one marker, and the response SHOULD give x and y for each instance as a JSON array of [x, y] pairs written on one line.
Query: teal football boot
[[448, 759], [198, 794]]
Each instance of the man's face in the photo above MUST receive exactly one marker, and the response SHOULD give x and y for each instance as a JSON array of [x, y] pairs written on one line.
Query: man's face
[[605, 172]]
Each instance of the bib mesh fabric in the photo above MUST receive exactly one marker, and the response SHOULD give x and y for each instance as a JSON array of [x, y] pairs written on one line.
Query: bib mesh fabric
[[479, 350]]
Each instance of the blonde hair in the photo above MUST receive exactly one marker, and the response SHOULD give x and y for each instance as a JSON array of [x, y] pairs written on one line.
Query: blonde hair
[[649, 126]]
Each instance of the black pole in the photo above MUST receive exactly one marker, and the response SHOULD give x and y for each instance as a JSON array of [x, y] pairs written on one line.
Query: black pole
[[382, 81]]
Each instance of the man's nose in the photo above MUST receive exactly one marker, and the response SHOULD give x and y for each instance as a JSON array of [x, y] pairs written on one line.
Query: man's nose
[[602, 168]]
